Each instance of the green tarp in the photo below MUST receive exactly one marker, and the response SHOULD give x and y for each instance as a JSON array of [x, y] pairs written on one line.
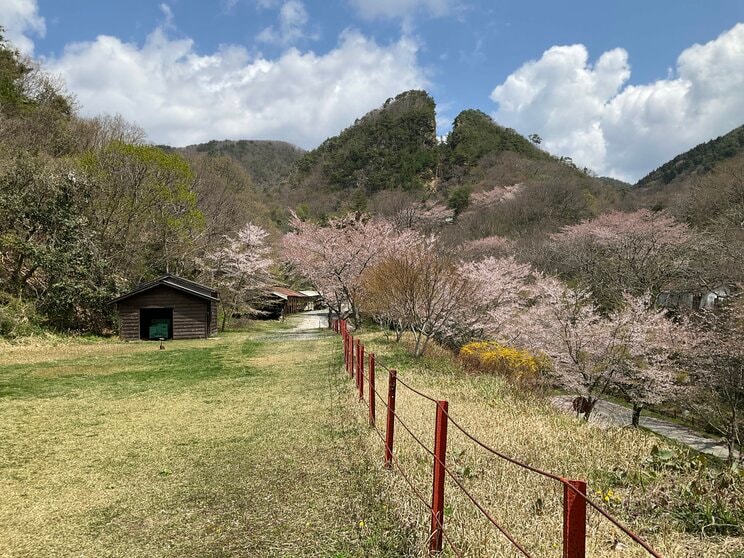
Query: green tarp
[[159, 328]]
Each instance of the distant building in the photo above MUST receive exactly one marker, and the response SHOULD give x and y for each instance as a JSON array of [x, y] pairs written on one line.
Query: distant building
[[313, 300], [293, 301], [168, 307], [701, 300]]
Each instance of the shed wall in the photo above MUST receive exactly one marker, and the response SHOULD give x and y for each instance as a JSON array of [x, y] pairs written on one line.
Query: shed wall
[[189, 313]]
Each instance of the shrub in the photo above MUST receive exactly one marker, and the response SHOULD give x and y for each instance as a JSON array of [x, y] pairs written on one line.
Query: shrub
[[490, 357], [18, 318]]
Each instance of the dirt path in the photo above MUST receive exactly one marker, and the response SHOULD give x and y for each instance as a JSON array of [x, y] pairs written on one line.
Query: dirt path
[[612, 414]]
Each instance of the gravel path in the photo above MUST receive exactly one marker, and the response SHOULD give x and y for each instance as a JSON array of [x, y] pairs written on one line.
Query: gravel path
[[612, 414]]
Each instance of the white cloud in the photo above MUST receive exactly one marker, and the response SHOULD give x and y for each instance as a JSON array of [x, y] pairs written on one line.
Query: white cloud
[[181, 97], [169, 16], [292, 21], [21, 20], [401, 9], [588, 112]]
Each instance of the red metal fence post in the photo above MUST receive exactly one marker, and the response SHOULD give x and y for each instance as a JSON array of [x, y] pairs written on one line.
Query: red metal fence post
[[372, 397], [351, 356], [390, 427], [361, 372], [437, 493], [574, 520], [343, 344]]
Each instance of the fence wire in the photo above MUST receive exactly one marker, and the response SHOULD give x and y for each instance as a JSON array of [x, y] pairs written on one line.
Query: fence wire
[[379, 363]]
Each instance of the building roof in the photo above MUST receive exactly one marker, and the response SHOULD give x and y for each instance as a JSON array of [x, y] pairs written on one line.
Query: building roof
[[285, 293], [311, 294], [174, 282]]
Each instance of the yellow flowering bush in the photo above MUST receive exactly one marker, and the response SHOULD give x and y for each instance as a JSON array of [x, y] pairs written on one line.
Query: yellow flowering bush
[[489, 356]]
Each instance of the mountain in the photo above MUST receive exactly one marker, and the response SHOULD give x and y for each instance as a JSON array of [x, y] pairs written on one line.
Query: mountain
[[698, 160], [390, 159], [391, 147], [268, 163], [475, 135]]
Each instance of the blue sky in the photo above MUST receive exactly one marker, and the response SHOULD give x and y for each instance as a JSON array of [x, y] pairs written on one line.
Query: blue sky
[[620, 87]]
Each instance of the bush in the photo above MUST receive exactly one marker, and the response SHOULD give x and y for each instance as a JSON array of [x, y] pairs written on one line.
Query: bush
[[18, 318], [490, 357]]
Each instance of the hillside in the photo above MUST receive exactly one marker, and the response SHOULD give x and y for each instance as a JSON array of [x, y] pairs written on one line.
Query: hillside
[[391, 147], [268, 163], [698, 160], [475, 135]]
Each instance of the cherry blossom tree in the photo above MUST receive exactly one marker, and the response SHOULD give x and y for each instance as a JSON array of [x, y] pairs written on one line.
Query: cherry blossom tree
[[241, 270], [494, 196], [504, 288], [715, 391], [645, 341], [628, 351], [566, 327], [334, 257], [640, 252], [487, 246], [422, 217]]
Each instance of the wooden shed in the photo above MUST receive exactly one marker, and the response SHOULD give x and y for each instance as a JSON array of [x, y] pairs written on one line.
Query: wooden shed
[[168, 307], [293, 301]]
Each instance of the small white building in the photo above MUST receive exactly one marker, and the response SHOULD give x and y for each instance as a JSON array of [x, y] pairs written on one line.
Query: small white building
[[313, 299]]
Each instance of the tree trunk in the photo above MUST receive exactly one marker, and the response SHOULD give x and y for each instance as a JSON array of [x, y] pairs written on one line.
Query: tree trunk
[[591, 402], [636, 419]]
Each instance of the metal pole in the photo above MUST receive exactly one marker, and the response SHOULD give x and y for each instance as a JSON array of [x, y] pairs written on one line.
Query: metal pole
[[351, 356], [574, 520], [372, 389], [437, 493], [360, 372], [390, 427]]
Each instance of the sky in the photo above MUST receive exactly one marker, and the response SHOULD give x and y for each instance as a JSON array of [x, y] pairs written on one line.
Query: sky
[[620, 87]]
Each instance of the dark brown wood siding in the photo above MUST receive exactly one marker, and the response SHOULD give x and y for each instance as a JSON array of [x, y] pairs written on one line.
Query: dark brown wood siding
[[190, 313], [213, 324]]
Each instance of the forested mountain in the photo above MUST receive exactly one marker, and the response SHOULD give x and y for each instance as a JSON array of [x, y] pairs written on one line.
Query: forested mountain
[[268, 163], [388, 148], [698, 160]]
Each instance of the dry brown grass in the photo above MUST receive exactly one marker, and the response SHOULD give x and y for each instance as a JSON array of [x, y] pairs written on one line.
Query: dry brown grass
[[525, 426], [228, 447]]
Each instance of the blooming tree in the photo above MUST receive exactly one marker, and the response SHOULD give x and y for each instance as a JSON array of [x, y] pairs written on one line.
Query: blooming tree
[[640, 252], [645, 341], [715, 391], [566, 327], [241, 270], [422, 217], [628, 351], [334, 257], [503, 287], [487, 246], [495, 195]]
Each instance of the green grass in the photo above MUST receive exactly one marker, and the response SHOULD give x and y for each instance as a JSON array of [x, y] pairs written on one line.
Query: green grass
[[244, 445]]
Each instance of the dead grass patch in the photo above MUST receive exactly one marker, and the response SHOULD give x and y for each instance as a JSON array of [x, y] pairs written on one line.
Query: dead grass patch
[[525, 426]]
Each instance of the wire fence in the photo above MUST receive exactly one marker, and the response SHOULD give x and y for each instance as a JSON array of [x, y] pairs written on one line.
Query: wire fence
[[575, 499]]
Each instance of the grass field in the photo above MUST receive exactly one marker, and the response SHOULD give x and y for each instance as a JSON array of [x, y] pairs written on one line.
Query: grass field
[[254, 444], [245, 445]]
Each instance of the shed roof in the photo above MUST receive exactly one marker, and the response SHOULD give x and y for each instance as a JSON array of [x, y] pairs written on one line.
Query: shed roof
[[285, 293], [311, 294], [174, 282]]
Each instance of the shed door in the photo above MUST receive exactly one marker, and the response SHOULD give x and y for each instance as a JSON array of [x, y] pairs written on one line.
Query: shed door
[[156, 323]]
